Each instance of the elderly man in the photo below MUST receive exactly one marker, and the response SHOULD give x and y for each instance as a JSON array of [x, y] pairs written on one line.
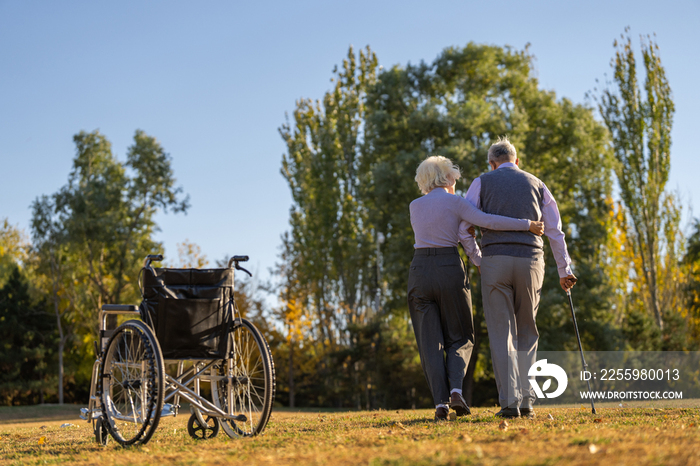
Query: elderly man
[[512, 270]]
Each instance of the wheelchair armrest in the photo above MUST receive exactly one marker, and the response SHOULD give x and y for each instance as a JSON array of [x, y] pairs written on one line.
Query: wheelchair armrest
[[115, 308], [108, 309]]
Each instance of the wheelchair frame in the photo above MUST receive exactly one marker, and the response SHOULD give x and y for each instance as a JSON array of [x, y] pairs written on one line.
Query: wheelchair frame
[[236, 403]]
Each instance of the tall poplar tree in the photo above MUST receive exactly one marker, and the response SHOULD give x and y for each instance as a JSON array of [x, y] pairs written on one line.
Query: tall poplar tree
[[640, 121], [331, 241]]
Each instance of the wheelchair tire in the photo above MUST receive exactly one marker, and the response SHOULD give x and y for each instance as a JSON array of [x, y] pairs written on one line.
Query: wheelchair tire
[[244, 384], [202, 432], [101, 433], [132, 383]]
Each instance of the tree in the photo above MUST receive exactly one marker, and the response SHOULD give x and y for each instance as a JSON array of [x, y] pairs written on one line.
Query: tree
[[50, 256], [94, 232], [108, 215], [190, 255], [640, 123], [13, 249], [26, 333], [331, 241]]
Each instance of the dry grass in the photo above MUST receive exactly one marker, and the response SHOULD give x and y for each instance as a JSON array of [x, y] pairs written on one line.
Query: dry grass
[[574, 436]]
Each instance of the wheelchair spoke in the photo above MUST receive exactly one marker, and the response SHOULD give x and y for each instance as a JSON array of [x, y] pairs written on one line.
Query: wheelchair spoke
[[251, 388], [132, 374]]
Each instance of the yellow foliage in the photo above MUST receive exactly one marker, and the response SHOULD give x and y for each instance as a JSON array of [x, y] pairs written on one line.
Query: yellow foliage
[[190, 256]]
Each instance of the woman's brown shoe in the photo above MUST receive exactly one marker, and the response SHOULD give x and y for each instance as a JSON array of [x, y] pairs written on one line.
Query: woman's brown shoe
[[459, 404], [441, 414]]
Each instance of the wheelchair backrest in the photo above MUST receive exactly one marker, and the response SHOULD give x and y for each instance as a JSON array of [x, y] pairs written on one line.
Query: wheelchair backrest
[[190, 310]]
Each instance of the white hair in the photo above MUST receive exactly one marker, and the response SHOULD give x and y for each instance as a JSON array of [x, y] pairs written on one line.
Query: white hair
[[502, 151], [436, 171]]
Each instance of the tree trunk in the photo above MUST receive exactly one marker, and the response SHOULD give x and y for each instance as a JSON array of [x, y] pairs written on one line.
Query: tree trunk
[[61, 345], [61, 337], [291, 374]]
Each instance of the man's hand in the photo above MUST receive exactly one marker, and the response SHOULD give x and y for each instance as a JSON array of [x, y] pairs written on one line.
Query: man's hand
[[472, 231], [537, 228], [567, 282]]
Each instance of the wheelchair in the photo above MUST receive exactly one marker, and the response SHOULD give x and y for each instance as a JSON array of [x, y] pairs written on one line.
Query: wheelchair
[[187, 318]]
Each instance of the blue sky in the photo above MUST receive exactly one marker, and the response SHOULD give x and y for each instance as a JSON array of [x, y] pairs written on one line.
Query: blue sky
[[212, 80]]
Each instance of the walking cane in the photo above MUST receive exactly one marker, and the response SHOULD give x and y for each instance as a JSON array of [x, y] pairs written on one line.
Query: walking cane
[[580, 347]]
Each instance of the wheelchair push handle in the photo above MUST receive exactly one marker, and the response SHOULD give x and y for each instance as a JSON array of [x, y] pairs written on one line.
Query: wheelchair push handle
[[152, 257], [235, 260]]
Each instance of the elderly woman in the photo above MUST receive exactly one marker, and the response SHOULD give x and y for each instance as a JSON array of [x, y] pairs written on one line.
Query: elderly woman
[[439, 298]]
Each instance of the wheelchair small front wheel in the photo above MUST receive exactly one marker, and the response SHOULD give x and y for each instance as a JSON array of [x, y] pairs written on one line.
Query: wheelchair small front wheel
[[132, 382], [202, 432], [101, 434]]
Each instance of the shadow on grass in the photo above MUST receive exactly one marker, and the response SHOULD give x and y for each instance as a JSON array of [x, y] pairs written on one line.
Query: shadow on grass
[[35, 413]]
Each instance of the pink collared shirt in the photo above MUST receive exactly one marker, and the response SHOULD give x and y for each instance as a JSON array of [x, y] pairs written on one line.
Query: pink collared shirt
[[550, 217]]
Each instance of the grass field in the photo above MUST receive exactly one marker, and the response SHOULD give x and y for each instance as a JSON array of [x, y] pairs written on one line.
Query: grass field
[[658, 436]]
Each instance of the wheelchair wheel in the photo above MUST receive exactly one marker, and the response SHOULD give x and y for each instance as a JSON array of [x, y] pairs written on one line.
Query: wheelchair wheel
[[244, 384], [202, 432], [132, 380], [100, 430]]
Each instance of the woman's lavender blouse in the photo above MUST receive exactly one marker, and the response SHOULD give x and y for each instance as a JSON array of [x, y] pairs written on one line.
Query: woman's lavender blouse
[[435, 219]]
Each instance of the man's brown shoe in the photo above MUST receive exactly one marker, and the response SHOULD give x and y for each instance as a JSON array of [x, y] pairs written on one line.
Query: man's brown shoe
[[441, 414], [459, 404]]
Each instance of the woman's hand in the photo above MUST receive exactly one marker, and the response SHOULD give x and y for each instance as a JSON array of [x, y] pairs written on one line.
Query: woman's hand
[[537, 228]]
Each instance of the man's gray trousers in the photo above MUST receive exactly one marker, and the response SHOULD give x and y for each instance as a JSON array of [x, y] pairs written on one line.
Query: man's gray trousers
[[511, 288]]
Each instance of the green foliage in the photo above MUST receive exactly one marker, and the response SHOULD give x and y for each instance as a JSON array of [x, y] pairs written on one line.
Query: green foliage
[[91, 236], [27, 336], [640, 121], [330, 246], [107, 210], [13, 249], [456, 107]]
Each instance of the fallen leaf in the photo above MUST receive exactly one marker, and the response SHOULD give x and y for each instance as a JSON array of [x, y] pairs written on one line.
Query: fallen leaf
[[550, 417], [399, 425], [593, 449], [598, 420], [42, 427], [524, 431], [453, 416], [692, 424], [479, 452], [503, 425], [42, 440], [464, 438]]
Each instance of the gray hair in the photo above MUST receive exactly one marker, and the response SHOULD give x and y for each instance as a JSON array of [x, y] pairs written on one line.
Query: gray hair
[[436, 171], [502, 151]]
